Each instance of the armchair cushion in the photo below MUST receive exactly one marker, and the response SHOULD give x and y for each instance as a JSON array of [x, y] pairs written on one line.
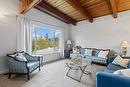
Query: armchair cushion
[[32, 65]]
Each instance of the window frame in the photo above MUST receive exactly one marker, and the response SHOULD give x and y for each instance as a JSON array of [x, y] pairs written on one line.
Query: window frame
[[46, 27]]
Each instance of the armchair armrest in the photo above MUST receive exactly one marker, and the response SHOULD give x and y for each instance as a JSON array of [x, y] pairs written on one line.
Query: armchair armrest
[[111, 80], [31, 57], [16, 66]]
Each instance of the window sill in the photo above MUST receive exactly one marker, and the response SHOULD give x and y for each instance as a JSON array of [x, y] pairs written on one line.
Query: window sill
[[47, 53]]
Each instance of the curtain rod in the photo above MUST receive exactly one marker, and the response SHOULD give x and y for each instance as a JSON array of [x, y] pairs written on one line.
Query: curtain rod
[[39, 21]]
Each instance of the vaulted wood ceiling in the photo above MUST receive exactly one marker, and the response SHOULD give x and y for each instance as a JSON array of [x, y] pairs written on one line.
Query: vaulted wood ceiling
[[72, 11]]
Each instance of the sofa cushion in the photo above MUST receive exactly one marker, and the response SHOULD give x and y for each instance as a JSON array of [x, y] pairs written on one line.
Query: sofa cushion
[[120, 61], [88, 52], [32, 65], [97, 59], [103, 54], [113, 67]]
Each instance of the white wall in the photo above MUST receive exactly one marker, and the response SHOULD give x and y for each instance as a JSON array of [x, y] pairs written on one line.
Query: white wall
[[104, 32], [8, 27]]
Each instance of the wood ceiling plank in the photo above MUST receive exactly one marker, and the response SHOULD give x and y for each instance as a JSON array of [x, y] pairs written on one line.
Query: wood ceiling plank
[[46, 7], [26, 5], [113, 4], [98, 5], [123, 5], [83, 11], [97, 8], [87, 3], [56, 3], [100, 9]]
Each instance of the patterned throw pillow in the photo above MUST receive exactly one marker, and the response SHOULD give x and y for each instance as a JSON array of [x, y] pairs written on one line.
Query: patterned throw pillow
[[120, 61], [95, 52]]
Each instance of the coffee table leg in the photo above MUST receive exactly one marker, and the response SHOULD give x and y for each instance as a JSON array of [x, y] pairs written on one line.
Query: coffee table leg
[[82, 72], [68, 72]]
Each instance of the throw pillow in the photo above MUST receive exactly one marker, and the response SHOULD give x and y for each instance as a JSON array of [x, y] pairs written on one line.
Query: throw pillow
[[126, 72], [103, 54], [95, 52], [120, 61], [88, 52], [21, 57], [13, 55], [118, 72], [123, 72]]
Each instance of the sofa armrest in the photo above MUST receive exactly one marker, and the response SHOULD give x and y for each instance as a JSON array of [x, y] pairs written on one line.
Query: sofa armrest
[[111, 80], [110, 59]]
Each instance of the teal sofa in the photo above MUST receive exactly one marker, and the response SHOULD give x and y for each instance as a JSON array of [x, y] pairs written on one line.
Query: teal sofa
[[94, 57], [108, 79]]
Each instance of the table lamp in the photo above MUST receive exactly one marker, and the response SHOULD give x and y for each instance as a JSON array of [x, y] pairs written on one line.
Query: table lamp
[[124, 46], [69, 44]]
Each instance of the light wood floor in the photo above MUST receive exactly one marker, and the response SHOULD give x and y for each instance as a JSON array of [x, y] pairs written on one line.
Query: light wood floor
[[52, 75]]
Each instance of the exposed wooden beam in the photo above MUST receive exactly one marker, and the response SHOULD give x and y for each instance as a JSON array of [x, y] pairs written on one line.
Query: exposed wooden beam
[[75, 4], [49, 9], [26, 5], [114, 7]]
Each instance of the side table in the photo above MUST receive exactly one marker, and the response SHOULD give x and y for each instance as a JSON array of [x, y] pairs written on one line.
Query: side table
[[67, 53]]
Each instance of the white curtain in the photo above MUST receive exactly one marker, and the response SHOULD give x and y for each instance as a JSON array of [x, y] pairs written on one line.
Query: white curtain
[[62, 44], [24, 34]]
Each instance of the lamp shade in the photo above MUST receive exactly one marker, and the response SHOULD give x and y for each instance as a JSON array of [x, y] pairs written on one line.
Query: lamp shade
[[125, 44], [69, 42]]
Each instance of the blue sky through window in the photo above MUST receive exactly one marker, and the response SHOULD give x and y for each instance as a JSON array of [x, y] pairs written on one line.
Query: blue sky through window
[[41, 31]]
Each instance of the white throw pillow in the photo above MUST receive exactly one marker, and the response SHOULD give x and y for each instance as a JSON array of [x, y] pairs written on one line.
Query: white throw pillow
[[103, 54], [118, 72], [88, 52], [123, 72], [21, 57], [120, 61], [126, 72]]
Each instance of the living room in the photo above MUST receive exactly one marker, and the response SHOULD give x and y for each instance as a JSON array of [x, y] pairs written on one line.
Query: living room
[[105, 30]]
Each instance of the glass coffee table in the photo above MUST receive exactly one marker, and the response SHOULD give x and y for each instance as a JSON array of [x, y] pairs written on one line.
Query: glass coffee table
[[81, 65]]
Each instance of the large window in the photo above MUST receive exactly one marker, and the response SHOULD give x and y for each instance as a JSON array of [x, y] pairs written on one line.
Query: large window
[[45, 40]]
